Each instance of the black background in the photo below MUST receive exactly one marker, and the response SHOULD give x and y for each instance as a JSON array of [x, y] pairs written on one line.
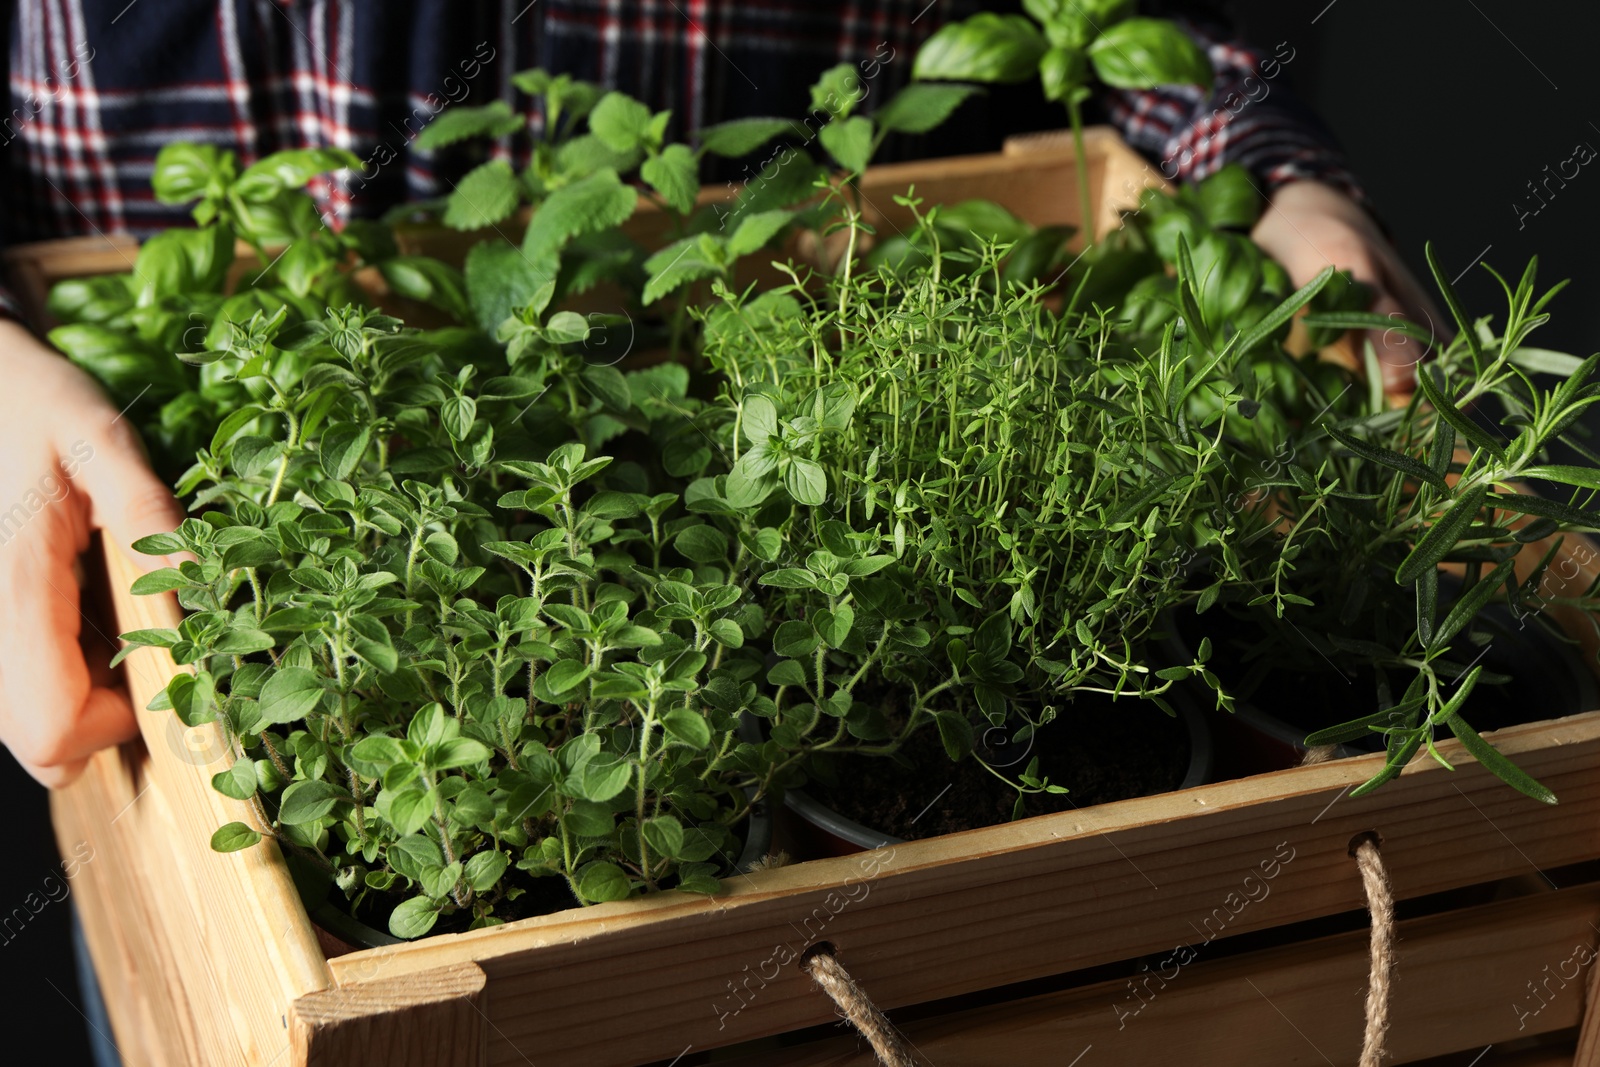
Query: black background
[[1447, 111]]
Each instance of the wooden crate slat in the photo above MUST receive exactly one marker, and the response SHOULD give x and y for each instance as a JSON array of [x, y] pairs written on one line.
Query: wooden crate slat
[[239, 945], [116, 896], [431, 1019], [1459, 978], [1009, 903]]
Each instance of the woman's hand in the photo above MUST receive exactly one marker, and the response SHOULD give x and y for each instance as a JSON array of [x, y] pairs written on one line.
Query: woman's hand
[[1309, 225], [72, 465]]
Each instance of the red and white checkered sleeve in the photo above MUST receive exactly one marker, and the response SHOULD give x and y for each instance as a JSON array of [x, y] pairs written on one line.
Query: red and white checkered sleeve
[[1248, 116]]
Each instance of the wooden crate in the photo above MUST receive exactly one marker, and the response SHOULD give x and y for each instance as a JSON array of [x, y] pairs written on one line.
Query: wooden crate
[[211, 959]]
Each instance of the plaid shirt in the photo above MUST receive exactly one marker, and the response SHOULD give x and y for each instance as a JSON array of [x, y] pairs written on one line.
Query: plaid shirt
[[99, 86]]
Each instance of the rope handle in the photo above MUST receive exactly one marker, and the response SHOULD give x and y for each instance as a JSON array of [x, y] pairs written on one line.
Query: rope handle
[[854, 1004], [1380, 905]]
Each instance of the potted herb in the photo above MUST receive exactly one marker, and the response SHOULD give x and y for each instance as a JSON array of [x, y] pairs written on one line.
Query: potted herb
[[1066, 45], [1009, 478], [1380, 548]]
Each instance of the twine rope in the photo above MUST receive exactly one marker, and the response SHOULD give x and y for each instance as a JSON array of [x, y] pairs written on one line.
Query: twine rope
[[856, 1006], [1380, 903], [1319, 754]]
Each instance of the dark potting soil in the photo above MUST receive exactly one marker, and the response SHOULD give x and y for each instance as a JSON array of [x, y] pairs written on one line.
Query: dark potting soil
[[1099, 749], [1548, 677]]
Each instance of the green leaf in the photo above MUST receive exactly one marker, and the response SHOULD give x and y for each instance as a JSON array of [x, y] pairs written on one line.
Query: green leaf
[[1427, 606], [1398, 758], [158, 544], [786, 672], [185, 171], [501, 278], [1465, 609], [290, 169], [620, 122], [370, 640], [146, 639], [563, 675], [457, 752], [726, 632], [588, 819], [758, 418], [598, 202], [740, 137], [834, 626], [1446, 290], [681, 262], [161, 581], [984, 48], [1143, 53], [688, 727], [1408, 465], [375, 754], [457, 123], [238, 781], [789, 578], [457, 415], [703, 544], [290, 694], [1496, 762], [599, 882], [1545, 361], [484, 869], [1062, 71], [795, 638], [955, 731], [849, 141], [675, 175], [569, 327], [233, 837], [1354, 729], [918, 108], [806, 482], [342, 447], [1433, 389], [755, 230], [308, 801], [485, 196], [604, 778], [837, 91], [1229, 200], [1366, 320], [1441, 538], [664, 834], [430, 281], [410, 809], [413, 917], [1525, 504], [1583, 477], [192, 698]]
